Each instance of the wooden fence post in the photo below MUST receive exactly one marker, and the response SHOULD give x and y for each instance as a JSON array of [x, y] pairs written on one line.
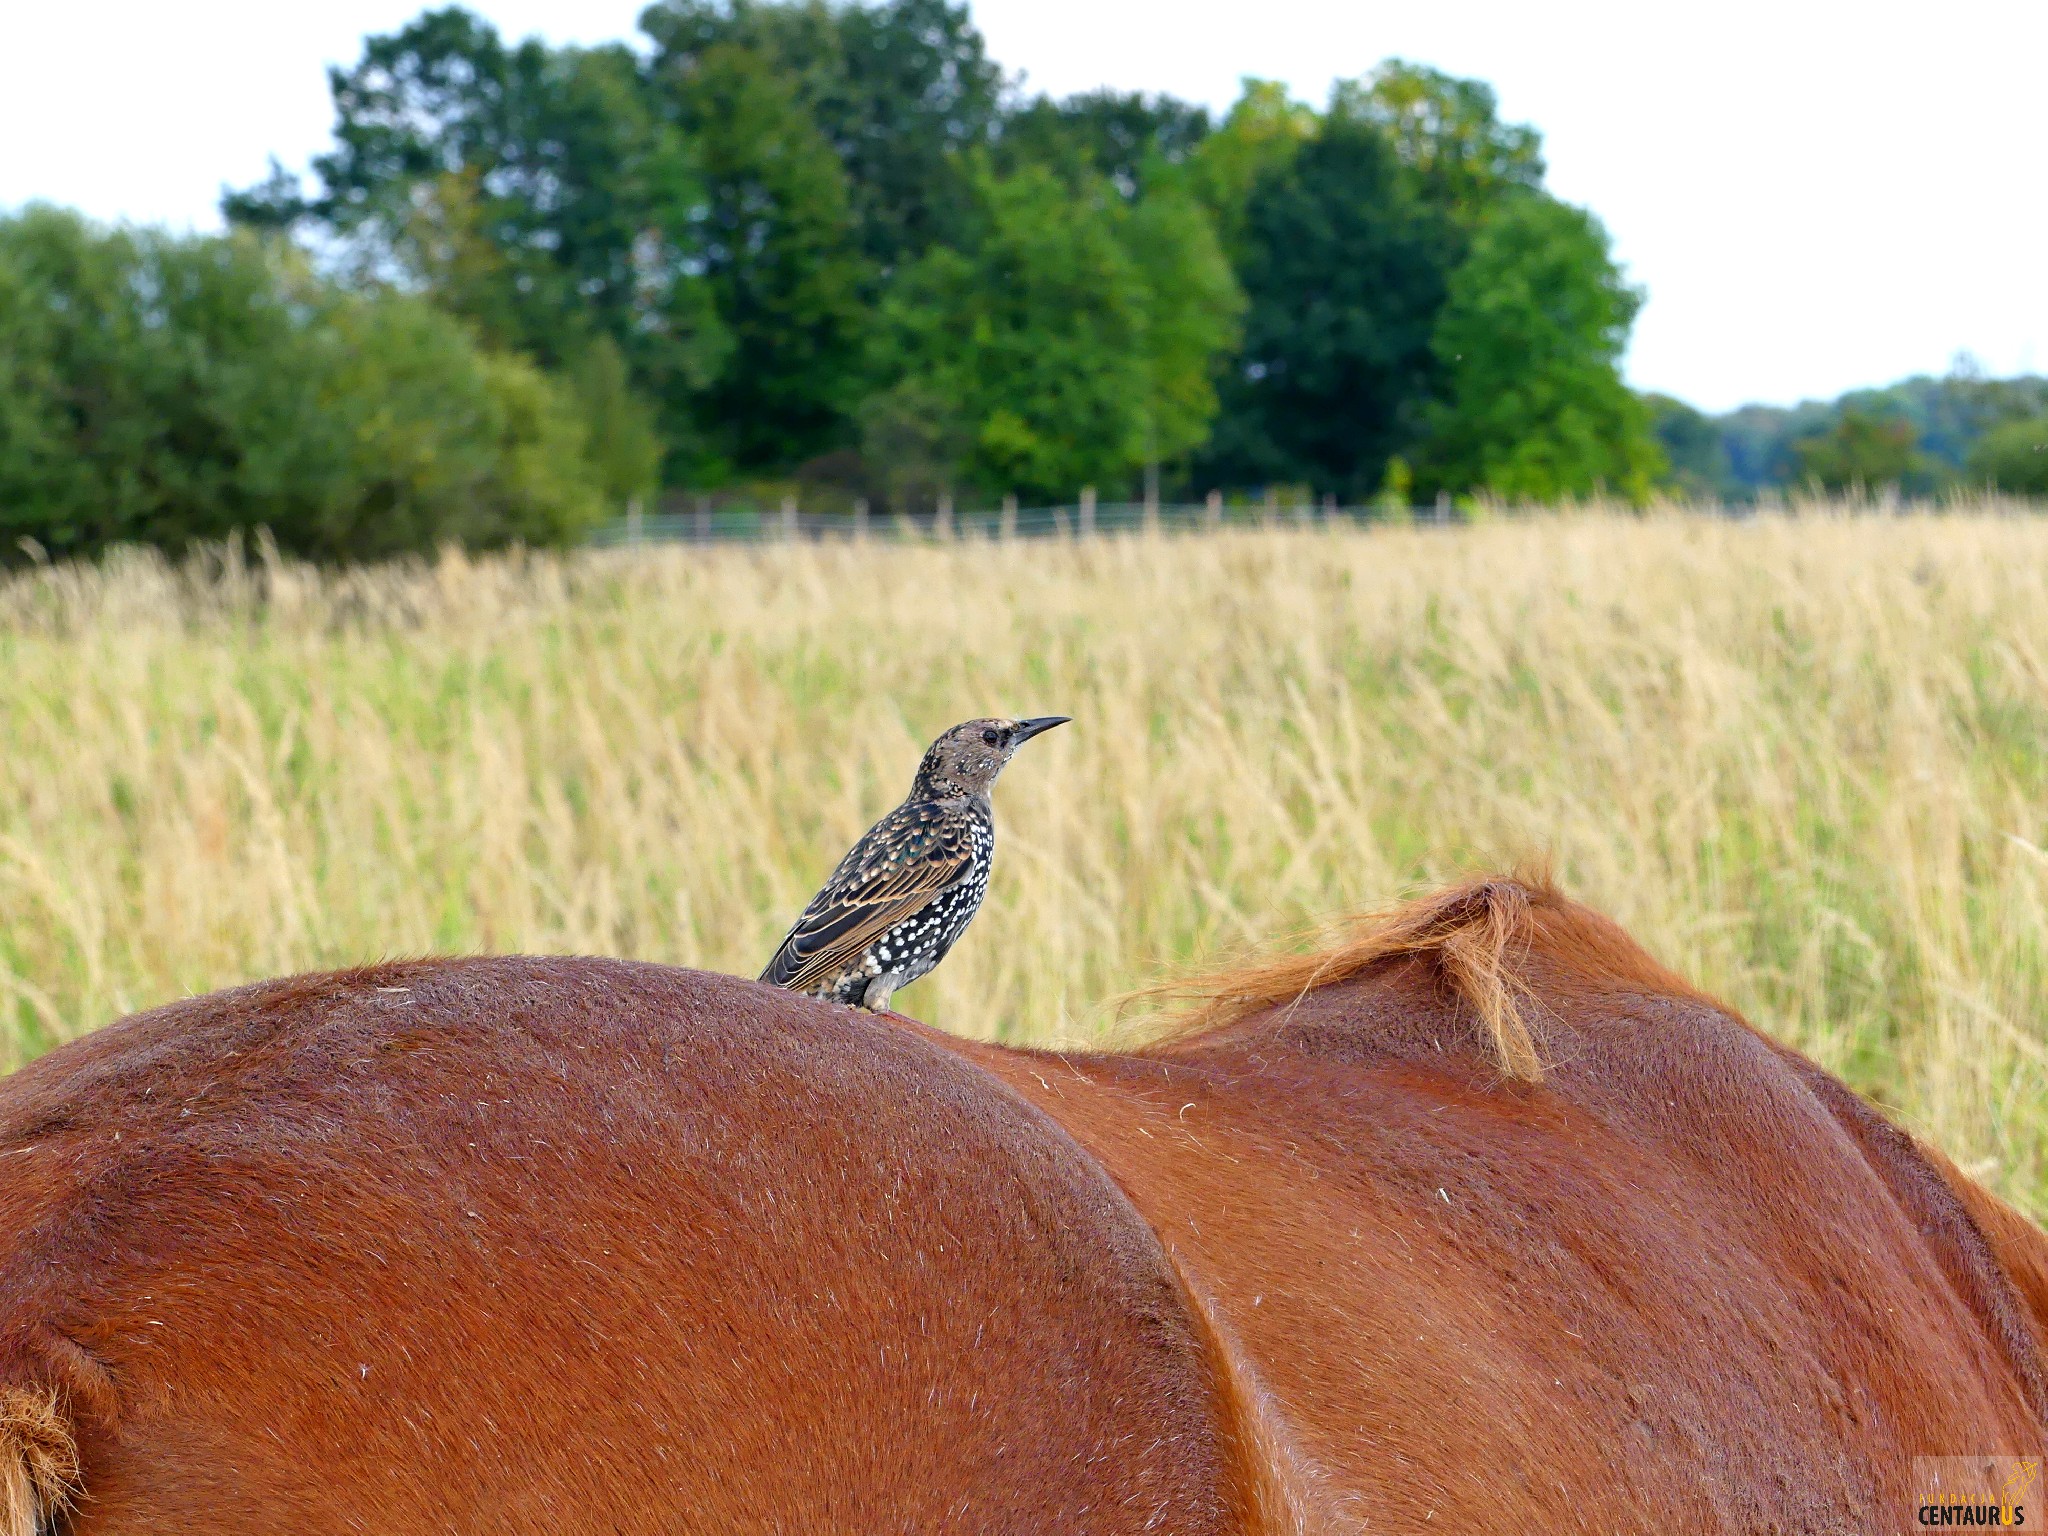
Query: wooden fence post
[[1009, 524], [703, 520], [860, 519], [633, 520], [1151, 498], [1212, 511], [942, 523], [1087, 511], [789, 517]]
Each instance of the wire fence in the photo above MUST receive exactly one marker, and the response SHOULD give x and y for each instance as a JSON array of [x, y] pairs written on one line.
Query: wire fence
[[1082, 519], [1087, 518]]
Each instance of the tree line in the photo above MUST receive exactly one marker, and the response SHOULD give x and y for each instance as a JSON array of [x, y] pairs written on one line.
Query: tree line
[[824, 249], [830, 244], [1922, 436]]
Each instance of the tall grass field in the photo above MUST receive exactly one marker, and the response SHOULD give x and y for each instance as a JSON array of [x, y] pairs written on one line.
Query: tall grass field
[[1804, 758]]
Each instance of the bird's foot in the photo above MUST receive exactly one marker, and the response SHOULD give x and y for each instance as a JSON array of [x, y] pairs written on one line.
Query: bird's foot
[[876, 996]]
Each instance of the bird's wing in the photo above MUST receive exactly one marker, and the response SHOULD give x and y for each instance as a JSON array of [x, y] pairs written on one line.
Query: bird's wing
[[906, 860]]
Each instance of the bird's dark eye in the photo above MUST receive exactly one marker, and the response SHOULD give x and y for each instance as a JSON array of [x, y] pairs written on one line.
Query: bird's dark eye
[[991, 737]]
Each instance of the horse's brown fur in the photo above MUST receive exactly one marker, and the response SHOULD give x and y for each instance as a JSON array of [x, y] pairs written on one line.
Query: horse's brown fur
[[571, 1246]]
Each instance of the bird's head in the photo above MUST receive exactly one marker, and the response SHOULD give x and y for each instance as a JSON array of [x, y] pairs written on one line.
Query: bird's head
[[966, 759]]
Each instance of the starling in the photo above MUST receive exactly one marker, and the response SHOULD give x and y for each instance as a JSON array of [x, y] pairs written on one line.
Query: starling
[[909, 887]]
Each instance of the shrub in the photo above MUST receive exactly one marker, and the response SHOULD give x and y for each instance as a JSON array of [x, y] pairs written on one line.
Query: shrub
[[2013, 457], [166, 390]]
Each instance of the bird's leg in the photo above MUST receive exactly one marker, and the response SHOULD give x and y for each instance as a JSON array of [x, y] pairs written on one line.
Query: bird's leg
[[876, 998]]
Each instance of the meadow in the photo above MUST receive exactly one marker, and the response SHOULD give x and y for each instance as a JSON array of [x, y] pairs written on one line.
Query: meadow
[[1803, 757]]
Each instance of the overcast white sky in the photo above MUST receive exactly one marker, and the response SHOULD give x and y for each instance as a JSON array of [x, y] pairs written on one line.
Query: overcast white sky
[[1817, 196]]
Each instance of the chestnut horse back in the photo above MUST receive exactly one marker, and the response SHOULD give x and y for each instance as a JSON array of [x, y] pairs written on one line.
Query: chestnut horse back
[[1481, 1220], [525, 1246]]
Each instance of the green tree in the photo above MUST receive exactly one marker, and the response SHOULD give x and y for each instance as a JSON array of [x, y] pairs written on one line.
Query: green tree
[[903, 92], [439, 443], [1346, 230], [538, 193], [781, 252], [2013, 457], [1189, 313], [1111, 135], [1530, 342], [1343, 270], [1071, 343], [1448, 133], [1949, 414], [1258, 139], [1860, 451], [624, 445], [165, 390], [1693, 447]]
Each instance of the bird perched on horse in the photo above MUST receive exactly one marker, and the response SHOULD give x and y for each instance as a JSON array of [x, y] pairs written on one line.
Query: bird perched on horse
[[911, 885]]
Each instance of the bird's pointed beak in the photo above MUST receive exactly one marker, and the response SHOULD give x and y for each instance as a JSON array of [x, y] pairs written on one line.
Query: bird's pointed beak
[[1037, 726]]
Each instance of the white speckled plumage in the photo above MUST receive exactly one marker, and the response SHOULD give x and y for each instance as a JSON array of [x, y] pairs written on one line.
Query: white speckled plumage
[[907, 890]]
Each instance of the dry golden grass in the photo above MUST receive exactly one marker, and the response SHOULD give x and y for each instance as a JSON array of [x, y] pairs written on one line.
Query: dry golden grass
[[1802, 758]]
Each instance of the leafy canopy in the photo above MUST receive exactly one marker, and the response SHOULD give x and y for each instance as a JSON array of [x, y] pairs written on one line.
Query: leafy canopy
[[163, 390], [1072, 343], [1376, 242], [903, 92], [2013, 457], [1860, 451], [1529, 342], [781, 253], [825, 239], [1344, 270]]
